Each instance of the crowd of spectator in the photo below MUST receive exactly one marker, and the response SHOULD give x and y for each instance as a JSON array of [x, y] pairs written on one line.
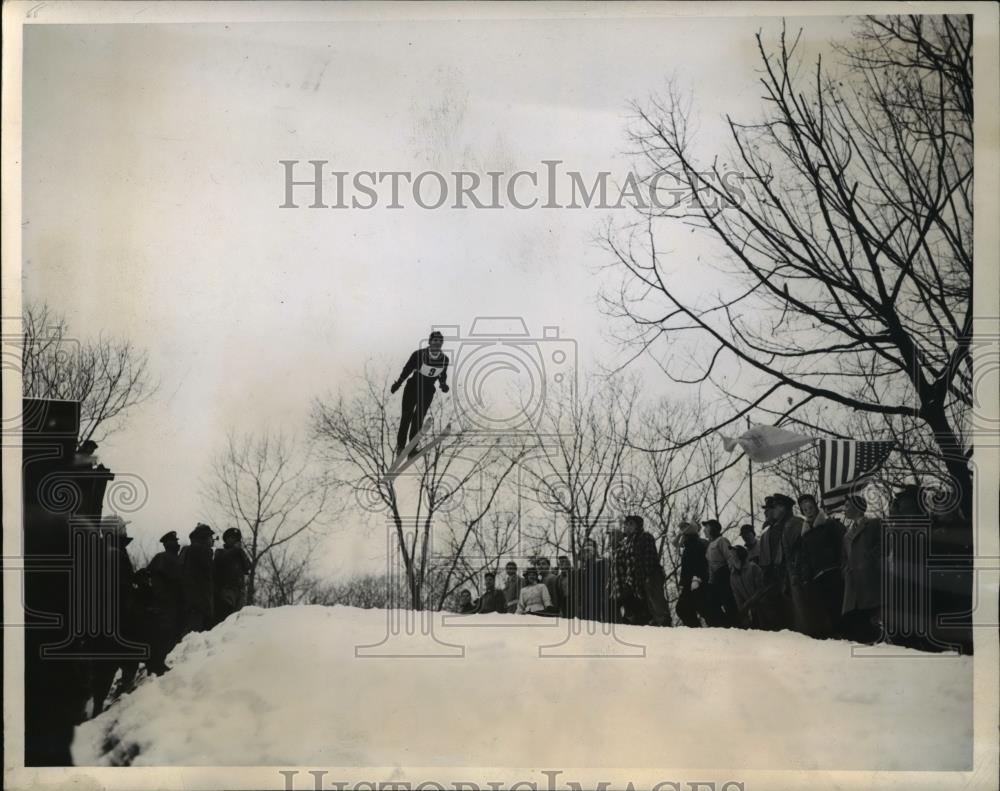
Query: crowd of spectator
[[181, 590], [858, 577]]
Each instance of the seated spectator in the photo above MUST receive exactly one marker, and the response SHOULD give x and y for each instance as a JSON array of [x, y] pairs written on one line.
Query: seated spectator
[[465, 601], [512, 586], [747, 583], [492, 599], [534, 596]]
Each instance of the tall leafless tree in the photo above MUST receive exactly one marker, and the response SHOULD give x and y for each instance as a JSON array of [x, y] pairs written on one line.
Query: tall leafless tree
[[263, 484], [847, 241], [358, 438], [577, 476], [108, 377]]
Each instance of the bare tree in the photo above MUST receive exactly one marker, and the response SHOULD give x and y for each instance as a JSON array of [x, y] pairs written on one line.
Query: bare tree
[[847, 240], [284, 575], [691, 484], [359, 440], [577, 476], [108, 377], [264, 485], [366, 591]]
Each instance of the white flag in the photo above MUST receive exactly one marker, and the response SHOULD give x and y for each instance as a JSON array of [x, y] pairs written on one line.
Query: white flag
[[766, 443]]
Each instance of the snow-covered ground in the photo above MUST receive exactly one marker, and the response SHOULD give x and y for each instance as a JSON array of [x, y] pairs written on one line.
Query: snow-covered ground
[[285, 687]]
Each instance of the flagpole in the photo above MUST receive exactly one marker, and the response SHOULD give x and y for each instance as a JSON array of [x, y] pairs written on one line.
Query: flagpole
[[750, 464]]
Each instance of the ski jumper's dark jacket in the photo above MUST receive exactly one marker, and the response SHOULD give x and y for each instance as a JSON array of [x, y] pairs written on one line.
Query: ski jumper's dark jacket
[[428, 370]]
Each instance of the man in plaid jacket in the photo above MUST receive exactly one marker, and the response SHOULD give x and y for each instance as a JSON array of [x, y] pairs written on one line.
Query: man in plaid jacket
[[641, 576]]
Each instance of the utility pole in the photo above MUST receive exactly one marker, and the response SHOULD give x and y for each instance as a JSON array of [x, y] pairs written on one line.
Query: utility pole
[[753, 509]]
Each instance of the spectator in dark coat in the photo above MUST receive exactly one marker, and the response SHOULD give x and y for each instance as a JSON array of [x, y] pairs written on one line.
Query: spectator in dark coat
[[747, 583], [750, 542], [550, 581], [492, 600], [590, 588], [128, 638], [512, 586], [819, 594], [231, 568], [951, 597], [166, 577], [774, 609], [567, 608], [465, 604], [643, 576], [862, 558], [694, 575], [199, 588], [720, 557]]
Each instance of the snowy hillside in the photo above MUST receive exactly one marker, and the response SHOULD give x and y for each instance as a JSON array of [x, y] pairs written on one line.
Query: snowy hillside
[[284, 687]]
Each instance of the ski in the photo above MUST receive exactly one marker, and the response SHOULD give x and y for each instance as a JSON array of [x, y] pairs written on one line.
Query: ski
[[400, 460], [422, 451]]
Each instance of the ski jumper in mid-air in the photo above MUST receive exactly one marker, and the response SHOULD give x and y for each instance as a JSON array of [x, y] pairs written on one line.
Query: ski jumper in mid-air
[[422, 370]]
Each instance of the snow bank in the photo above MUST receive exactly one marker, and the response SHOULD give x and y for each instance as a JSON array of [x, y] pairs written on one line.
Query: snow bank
[[284, 687]]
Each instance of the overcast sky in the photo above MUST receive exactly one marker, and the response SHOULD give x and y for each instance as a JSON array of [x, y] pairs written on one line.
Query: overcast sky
[[152, 187]]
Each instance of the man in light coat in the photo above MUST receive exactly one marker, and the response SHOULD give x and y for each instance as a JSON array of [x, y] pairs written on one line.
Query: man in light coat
[[862, 564]]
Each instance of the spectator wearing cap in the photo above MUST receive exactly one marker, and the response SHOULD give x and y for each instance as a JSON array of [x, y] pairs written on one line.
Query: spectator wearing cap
[[751, 543], [231, 568], [130, 623], [778, 550], [862, 563], [492, 599], [166, 577], [719, 555], [512, 586], [641, 576], [819, 594], [199, 587], [534, 596], [691, 604]]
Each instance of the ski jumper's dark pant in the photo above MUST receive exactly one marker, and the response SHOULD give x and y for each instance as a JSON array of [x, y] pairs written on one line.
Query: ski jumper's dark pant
[[417, 399]]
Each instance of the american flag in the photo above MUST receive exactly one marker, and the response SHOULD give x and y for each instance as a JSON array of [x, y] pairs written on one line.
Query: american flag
[[846, 466]]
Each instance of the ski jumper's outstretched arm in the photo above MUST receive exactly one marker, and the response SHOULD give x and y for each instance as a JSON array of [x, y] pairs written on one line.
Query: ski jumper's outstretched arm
[[408, 369]]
